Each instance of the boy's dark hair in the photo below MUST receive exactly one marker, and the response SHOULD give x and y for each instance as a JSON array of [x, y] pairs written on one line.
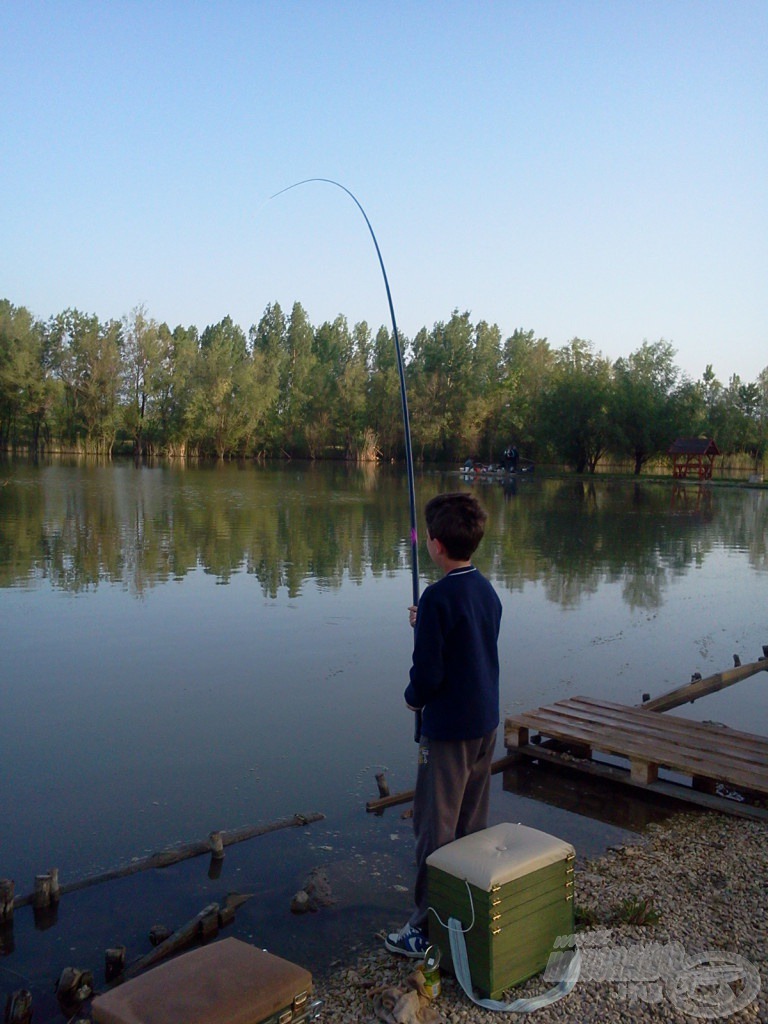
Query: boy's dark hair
[[457, 520]]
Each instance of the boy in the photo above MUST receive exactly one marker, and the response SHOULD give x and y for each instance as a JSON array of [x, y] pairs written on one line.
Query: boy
[[455, 686]]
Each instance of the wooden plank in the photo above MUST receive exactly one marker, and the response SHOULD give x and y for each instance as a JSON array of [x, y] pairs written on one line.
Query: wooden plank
[[622, 716], [583, 714], [701, 687], [693, 748], [697, 763], [673, 790], [731, 744], [685, 727]]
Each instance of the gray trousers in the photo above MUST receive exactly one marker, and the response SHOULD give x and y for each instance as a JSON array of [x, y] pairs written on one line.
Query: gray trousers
[[451, 800]]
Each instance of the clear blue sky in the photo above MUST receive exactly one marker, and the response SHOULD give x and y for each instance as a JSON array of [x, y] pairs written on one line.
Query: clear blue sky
[[590, 169]]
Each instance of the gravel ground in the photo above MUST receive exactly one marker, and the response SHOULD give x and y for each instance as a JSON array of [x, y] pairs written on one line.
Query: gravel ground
[[706, 875]]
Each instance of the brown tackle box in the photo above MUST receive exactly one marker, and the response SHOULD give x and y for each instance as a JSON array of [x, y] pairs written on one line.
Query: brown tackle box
[[227, 982], [511, 887]]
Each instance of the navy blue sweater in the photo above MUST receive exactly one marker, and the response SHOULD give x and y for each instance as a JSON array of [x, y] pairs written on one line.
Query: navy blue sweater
[[455, 671]]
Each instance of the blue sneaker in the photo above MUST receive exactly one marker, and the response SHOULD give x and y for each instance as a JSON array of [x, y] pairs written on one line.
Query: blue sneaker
[[409, 941]]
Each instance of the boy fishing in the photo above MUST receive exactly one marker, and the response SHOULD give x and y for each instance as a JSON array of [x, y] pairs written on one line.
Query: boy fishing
[[454, 685]]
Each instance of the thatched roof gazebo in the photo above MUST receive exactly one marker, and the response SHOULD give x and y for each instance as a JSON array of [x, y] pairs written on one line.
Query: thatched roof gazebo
[[693, 456]]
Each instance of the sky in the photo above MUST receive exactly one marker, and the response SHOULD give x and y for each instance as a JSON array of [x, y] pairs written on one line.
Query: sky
[[580, 169]]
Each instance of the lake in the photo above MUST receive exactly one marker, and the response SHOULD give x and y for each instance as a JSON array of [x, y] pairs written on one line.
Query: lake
[[192, 647]]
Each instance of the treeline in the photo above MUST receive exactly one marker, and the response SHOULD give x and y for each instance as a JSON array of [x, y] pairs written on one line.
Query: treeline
[[286, 387]]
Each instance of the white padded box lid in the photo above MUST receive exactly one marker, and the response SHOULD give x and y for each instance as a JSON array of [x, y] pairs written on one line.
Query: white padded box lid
[[499, 854]]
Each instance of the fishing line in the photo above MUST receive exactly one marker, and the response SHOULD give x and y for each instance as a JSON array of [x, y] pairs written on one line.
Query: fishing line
[[403, 395]]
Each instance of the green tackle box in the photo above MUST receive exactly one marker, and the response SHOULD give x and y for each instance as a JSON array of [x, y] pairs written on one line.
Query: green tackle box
[[228, 981], [511, 887]]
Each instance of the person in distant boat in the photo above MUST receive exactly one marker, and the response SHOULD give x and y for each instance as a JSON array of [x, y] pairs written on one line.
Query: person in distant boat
[[454, 685], [511, 458]]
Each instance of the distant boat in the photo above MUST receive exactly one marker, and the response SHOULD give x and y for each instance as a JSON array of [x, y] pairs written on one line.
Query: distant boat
[[472, 468]]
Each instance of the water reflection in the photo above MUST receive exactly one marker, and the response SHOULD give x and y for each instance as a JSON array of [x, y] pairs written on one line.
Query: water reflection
[[75, 526]]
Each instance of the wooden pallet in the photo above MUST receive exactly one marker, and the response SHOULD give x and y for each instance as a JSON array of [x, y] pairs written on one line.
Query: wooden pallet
[[709, 754]]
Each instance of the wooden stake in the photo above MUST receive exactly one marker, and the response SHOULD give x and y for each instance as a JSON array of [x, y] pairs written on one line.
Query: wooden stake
[[7, 889], [42, 894], [18, 1007], [217, 845], [114, 962], [374, 806]]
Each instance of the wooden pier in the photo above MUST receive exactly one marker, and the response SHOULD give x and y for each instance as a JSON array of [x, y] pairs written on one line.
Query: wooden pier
[[709, 754]]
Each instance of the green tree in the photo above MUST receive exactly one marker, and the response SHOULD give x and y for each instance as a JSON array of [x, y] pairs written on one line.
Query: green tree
[[170, 425], [480, 429], [575, 412], [646, 415], [441, 383], [328, 407], [384, 405], [762, 418], [221, 393], [270, 353], [527, 366], [143, 353], [299, 373], [87, 359], [27, 388], [352, 388]]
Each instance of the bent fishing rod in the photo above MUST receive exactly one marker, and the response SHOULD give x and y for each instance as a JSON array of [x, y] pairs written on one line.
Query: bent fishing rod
[[403, 396]]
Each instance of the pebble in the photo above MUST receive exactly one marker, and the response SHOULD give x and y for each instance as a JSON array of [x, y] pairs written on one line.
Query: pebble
[[706, 875]]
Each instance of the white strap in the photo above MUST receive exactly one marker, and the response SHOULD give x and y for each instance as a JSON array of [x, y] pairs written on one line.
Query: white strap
[[571, 970]]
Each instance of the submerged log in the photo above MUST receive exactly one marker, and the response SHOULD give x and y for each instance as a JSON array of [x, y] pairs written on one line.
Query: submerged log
[[202, 926], [182, 937], [175, 854]]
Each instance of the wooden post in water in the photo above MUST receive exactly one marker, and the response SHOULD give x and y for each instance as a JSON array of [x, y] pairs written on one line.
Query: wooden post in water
[[18, 1007], [217, 845], [42, 893], [7, 889], [114, 962]]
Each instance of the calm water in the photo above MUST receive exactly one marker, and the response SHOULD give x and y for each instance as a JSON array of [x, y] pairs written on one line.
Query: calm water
[[189, 648]]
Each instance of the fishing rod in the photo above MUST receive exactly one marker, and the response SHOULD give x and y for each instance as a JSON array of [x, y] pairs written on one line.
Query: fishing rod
[[403, 397]]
